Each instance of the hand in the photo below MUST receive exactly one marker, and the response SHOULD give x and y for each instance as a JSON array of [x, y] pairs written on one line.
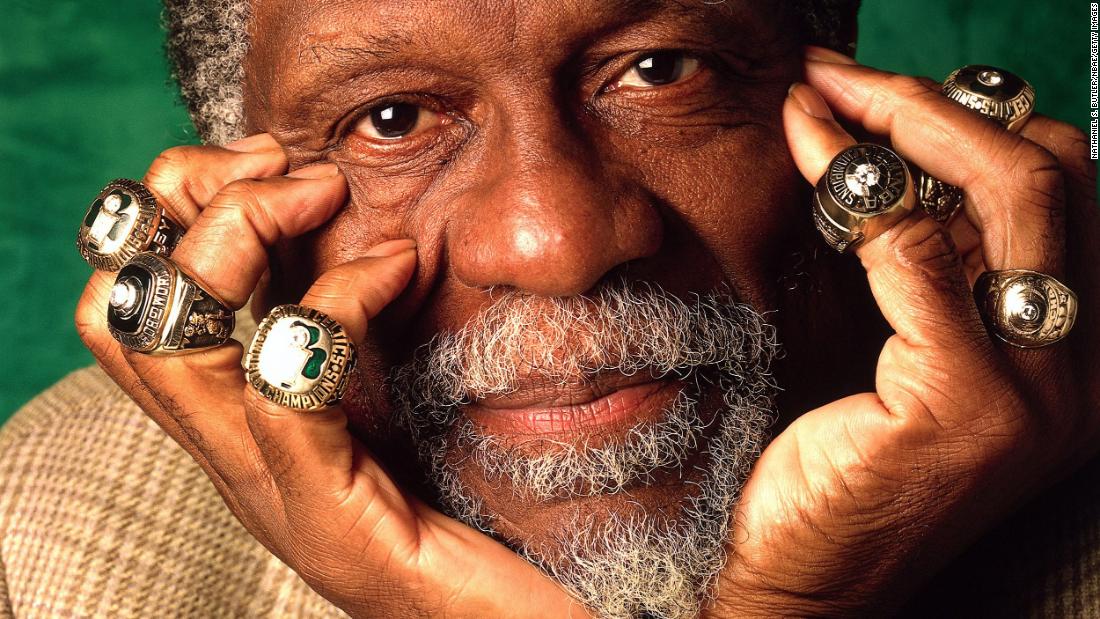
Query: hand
[[859, 501], [298, 481]]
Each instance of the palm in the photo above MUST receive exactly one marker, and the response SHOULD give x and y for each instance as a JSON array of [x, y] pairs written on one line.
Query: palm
[[821, 467], [437, 556], [807, 512]]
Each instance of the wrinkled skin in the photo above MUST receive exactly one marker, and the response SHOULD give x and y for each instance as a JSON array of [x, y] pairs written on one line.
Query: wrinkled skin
[[579, 185], [534, 175]]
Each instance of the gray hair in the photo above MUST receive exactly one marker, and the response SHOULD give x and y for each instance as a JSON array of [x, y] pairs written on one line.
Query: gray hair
[[208, 39]]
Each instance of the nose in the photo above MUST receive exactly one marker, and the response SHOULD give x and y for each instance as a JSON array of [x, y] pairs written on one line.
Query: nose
[[550, 219]]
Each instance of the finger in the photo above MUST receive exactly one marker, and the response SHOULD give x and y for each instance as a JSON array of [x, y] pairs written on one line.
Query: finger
[[807, 118], [1013, 186], [1070, 145], [91, 321], [226, 248], [225, 251], [185, 178], [914, 271], [312, 454], [91, 326], [196, 398]]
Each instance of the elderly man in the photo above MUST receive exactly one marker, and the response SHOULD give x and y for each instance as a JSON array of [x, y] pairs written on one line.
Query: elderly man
[[551, 250]]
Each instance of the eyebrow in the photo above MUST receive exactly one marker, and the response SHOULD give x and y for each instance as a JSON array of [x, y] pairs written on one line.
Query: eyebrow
[[352, 54]]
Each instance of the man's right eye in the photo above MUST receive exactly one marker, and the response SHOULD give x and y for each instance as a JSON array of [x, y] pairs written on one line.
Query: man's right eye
[[393, 121]]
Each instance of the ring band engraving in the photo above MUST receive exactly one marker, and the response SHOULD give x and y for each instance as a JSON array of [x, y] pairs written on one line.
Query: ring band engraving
[[994, 93]]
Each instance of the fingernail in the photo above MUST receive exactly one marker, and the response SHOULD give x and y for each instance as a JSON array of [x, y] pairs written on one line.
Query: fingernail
[[809, 101], [390, 248], [320, 170], [250, 144], [824, 54]]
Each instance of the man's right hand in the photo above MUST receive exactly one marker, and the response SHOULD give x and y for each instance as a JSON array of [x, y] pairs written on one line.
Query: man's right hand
[[299, 482]]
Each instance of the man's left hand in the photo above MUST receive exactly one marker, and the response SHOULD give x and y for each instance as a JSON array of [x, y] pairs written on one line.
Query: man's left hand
[[852, 507]]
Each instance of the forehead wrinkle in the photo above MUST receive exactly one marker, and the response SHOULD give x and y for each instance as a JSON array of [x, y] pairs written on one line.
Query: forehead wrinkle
[[343, 46], [317, 49]]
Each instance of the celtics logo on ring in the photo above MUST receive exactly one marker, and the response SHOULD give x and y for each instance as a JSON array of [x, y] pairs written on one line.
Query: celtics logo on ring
[[300, 358]]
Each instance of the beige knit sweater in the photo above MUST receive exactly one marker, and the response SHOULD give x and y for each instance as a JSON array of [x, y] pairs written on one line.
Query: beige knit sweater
[[103, 515]]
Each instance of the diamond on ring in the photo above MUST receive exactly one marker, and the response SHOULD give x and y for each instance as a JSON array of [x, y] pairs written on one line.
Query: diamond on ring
[[865, 189], [992, 92], [1025, 308]]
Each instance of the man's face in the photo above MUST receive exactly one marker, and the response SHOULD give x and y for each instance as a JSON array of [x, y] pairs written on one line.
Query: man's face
[[628, 151]]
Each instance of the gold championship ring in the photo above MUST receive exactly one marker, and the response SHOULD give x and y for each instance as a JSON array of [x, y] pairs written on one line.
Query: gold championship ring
[[300, 358], [865, 190], [124, 220]]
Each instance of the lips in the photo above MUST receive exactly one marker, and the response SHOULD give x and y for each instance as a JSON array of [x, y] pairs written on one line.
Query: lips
[[601, 405]]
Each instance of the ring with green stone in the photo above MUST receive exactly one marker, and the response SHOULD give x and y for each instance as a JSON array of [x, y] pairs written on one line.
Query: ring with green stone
[[123, 221], [300, 358]]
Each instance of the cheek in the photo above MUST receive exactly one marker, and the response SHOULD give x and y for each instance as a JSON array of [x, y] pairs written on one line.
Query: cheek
[[380, 208], [737, 193]]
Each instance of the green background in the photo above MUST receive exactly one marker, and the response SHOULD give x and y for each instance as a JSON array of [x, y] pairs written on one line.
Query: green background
[[85, 97]]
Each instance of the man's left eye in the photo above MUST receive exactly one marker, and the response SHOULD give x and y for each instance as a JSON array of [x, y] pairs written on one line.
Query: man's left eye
[[658, 69], [393, 121]]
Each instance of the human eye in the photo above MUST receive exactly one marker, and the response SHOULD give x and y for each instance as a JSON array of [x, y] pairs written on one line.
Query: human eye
[[397, 120], [657, 68]]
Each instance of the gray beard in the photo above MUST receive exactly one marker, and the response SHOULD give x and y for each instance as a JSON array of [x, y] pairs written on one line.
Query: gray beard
[[657, 564]]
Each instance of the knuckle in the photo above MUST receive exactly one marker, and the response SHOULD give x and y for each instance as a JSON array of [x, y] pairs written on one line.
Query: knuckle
[[922, 244], [1071, 143], [242, 204], [1073, 140], [86, 322], [1024, 174], [1029, 164], [883, 103], [908, 86], [248, 477], [349, 289], [257, 403], [171, 176], [335, 284], [92, 332], [171, 166]]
